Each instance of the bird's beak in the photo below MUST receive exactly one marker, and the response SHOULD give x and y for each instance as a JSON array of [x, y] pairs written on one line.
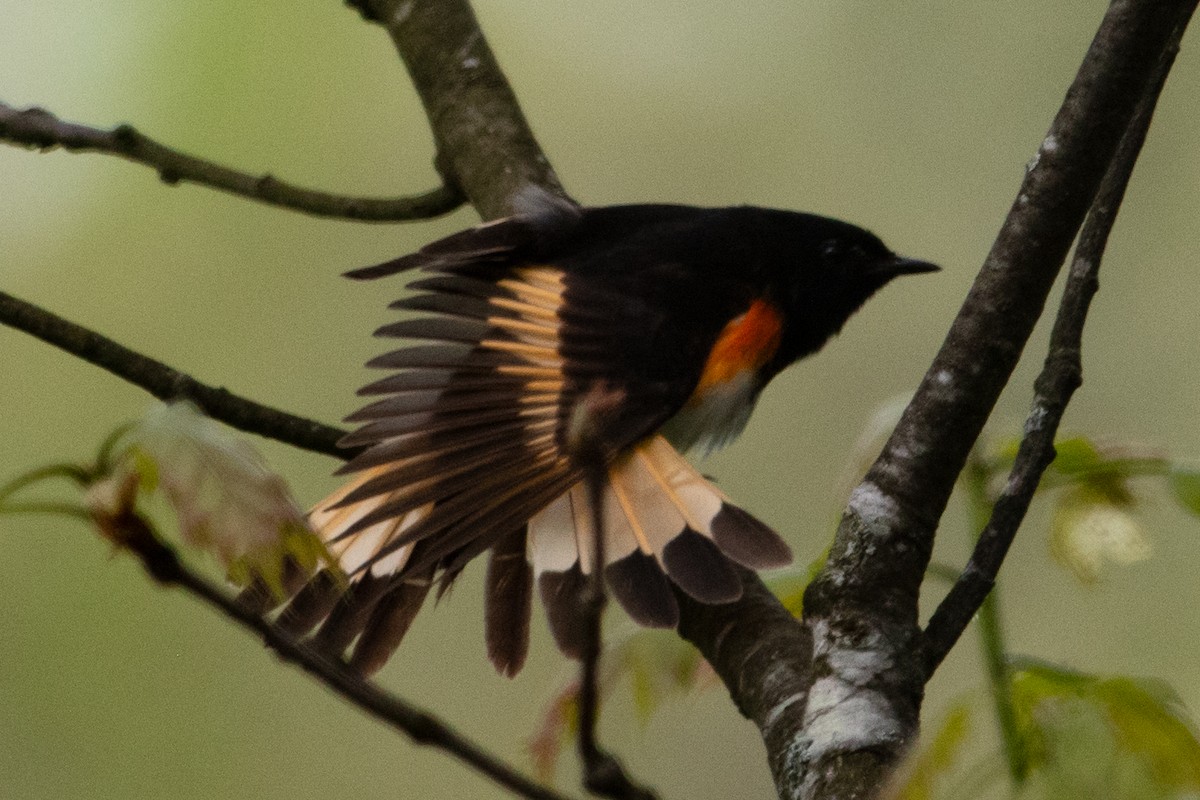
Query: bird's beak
[[899, 265]]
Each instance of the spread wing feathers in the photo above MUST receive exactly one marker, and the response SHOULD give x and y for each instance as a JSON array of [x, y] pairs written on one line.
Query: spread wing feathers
[[462, 448], [662, 520], [489, 243]]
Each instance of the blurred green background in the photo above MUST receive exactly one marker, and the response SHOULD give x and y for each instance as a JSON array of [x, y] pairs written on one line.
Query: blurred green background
[[915, 120]]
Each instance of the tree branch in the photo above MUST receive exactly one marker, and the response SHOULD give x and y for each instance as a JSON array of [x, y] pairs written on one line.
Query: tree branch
[[424, 728], [763, 655], [868, 669], [1061, 375], [167, 383], [38, 128], [603, 774], [484, 143]]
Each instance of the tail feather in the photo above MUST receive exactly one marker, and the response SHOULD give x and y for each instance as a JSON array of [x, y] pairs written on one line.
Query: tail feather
[[662, 520], [375, 602], [639, 585], [389, 622], [562, 597], [699, 568], [350, 615], [508, 604], [311, 604]]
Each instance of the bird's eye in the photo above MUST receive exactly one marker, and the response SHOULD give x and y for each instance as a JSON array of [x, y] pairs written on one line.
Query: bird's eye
[[837, 251]]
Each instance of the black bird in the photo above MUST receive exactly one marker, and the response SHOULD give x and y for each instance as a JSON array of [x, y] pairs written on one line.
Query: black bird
[[639, 331]]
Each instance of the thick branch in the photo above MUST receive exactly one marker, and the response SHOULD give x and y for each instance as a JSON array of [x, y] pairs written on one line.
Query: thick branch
[[763, 656], [863, 606], [36, 127], [167, 383], [1061, 375]]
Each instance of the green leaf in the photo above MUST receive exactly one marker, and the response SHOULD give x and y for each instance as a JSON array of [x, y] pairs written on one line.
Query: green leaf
[[1185, 485], [659, 665], [559, 722], [227, 501], [1073, 722], [1075, 455], [72, 472]]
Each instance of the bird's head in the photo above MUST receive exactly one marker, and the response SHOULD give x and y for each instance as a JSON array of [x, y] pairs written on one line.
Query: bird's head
[[827, 270]]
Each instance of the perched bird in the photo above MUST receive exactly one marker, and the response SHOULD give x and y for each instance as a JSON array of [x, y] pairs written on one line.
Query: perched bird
[[628, 332]]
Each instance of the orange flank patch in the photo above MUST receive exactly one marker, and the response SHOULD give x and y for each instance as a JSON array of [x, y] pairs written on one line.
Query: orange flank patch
[[746, 343]]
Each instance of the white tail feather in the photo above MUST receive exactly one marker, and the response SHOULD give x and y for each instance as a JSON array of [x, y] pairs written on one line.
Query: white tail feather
[[652, 494], [550, 544], [362, 548]]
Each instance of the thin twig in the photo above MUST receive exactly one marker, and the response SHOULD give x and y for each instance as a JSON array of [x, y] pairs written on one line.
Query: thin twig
[[602, 772], [167, 383], [1061, 375], [48, 507], [424, 728], [38, 128]]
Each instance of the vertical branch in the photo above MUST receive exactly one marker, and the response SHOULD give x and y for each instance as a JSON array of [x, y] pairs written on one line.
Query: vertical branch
[[991, 635]]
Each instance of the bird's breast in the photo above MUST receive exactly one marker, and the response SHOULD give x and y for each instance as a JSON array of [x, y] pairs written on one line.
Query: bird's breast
[[745, 344], [729, 383]]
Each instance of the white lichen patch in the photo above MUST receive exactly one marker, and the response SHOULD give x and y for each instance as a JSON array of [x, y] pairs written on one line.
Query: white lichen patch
[[858, 666], [783, 705], [842, 718], [844, 713], [1080, 267], [875, 510], [1036, 419]]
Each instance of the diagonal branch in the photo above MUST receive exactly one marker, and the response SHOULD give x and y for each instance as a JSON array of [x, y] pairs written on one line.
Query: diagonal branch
[[167, 383], [1060, 377], [424, 728], [38, 128], [483, 142]]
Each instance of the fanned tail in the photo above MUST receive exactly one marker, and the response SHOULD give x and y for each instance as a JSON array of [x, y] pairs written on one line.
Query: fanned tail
[[664, 523]]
